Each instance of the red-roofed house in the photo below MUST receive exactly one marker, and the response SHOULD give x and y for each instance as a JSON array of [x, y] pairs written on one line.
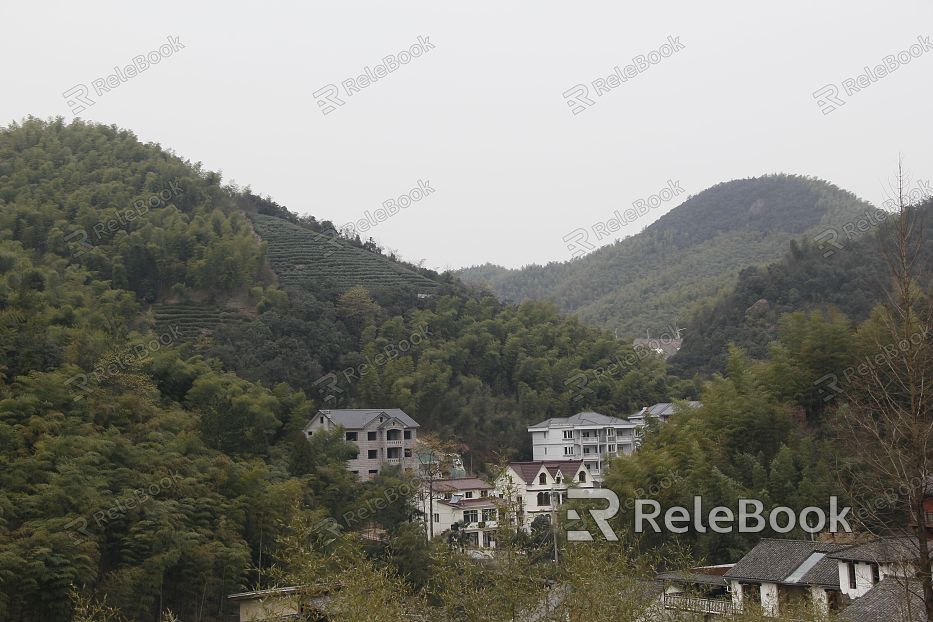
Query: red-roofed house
[[540, 486]]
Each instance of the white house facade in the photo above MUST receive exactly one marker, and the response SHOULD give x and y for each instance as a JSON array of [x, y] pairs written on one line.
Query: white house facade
[[538, 487], [383, 437], [587, 436]]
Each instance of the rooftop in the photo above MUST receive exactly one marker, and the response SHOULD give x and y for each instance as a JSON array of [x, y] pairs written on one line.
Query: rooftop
[[891, 599], [583, 419], [466, 483], [358, 418], [529, 470], [793, 562], [662, 409], [884, 550]]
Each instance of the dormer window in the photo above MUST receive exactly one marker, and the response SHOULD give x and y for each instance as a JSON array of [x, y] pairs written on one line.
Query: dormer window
[[542, 479], [582, 476]]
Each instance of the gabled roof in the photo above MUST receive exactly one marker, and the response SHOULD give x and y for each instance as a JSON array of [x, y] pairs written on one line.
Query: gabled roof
[[790, 562], [705, 575], [583, 419], [466, 483], [480, 502], [528, 471], [890, 600], [882, 551], [355, 419]]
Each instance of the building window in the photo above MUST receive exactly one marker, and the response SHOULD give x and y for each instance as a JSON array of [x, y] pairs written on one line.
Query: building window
[[852, 584], [489, 515], [482, 493], [875, 573], [542, 479], [408, 453], [322, 420], [487, 539], [373, 473], [470, 516], [582, 476], [612, 448], [407, 435], [351, 436], [544, 498], [372, 454], [568, 451], [437, 518], [468, 494], [370, 436], [568, 433]]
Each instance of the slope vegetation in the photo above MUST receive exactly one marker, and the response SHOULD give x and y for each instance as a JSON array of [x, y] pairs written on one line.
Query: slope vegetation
[[657, 278]]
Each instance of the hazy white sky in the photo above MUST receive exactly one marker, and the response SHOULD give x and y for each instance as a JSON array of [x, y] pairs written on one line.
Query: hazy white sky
[[481, 116]]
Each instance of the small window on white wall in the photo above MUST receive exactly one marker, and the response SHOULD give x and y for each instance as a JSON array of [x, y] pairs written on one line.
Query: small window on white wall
[[568, 451]]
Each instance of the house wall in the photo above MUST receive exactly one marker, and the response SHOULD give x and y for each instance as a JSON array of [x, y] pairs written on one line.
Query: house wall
[[268, 608], [735, 588], [551, 445], [769, 599], [364, 464]]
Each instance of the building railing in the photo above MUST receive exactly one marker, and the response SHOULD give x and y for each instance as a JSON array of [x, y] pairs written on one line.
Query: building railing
[[682, 602], [394, 460], [395, 443]]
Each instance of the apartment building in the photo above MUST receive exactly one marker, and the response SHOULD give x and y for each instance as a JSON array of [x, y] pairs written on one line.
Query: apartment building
[[588, 436], [383, 436]]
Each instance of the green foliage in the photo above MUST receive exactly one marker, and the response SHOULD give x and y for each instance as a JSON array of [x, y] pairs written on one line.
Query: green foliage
[[655, 279]]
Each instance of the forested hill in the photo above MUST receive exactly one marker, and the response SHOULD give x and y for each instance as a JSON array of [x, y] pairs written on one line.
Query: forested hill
[[163, 333], [848, 274], [656, 279]]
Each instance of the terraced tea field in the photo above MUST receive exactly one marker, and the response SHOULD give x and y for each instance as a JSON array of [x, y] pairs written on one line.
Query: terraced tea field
[[193, 320], [305, 259]]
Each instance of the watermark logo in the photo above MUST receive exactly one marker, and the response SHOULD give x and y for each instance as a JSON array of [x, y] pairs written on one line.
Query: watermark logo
[[578, 97], [328, 96], [330, 383], [578, 241], [78, 528], [390, 208], [828, 97], [78, 241], [749, 517], [78, 98]]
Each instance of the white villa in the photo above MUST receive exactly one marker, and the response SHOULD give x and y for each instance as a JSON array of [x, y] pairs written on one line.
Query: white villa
[[468, 501], [539, 487], [587, 436]]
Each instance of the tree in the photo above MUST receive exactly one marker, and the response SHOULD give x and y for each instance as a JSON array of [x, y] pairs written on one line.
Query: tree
[[887, 417]]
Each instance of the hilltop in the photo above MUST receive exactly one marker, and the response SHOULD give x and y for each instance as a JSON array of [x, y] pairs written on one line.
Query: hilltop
[[656, 279]]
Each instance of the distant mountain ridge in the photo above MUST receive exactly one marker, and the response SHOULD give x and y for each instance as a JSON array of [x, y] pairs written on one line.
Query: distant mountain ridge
[[659, 277]]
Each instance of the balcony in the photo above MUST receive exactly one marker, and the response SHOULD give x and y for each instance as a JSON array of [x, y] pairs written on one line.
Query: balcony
[[394, 443], [682, 602], [590, 440], [394, 460]]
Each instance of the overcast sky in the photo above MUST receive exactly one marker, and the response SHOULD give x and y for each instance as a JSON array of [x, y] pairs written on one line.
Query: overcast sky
[[480, 115]]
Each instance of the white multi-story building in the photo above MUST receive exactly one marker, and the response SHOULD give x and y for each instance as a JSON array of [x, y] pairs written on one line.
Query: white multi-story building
[[539, 487], [383, 437], [591, 437], [470, 502]]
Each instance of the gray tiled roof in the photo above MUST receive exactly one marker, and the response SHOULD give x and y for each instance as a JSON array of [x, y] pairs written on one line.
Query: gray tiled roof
[[356, 418], [881, 551], [584, 418], [774, 561], [891, 600]]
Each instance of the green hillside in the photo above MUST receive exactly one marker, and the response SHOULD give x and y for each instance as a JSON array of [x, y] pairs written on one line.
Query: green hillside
[[851, 279], [307, 259], [656, 279]]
